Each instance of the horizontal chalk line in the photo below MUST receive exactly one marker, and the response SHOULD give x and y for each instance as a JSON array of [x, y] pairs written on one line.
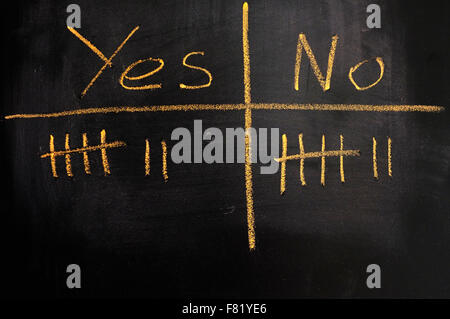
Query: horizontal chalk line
[[233, 107], [86, 149], [319, 154]]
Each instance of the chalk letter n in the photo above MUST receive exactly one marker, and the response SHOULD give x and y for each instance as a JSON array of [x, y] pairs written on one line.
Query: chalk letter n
[[304, 45]]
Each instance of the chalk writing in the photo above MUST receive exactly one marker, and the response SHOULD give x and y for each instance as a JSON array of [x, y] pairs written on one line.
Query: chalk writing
[[147, 157], [103, 146], [164, 161], [246, 106], [302, 155]]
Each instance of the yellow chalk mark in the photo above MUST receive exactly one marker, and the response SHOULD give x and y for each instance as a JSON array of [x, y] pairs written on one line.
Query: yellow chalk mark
[[302, 160], [374, 158], [233, 107], [140, 77], [147, 157], [283, 164], [353, 69], [390, 157], [52, 155], [108, 61], [249, 181], [87, 167], [164, 160], [303, 44], [90, 45], [248, 125], [341, 160], [302, 156], [322, 166], [318, 154], [103, 151], [193, 87], [345, 107], [83, 149], [67, 156], [246, 51]]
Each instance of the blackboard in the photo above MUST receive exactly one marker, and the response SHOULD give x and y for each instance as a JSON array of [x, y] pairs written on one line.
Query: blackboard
[[141, 236]]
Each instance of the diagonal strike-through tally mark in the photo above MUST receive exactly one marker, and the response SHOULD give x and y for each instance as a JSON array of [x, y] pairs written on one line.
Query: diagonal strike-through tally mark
[[302, 156], [102, 147]]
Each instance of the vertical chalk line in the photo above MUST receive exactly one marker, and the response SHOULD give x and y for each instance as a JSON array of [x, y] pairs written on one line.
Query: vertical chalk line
[[283, 164], [164, 161], [103, 151], [67, 156], [341, 160], [302, 160], [374, 158], [246, 51], [52, 155], [147, 157], [87, 167], [322, 166], [390, 157], [248, 125]]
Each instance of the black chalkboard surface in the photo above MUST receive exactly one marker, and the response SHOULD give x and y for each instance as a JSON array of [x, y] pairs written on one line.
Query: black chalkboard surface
[[158, 229]]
